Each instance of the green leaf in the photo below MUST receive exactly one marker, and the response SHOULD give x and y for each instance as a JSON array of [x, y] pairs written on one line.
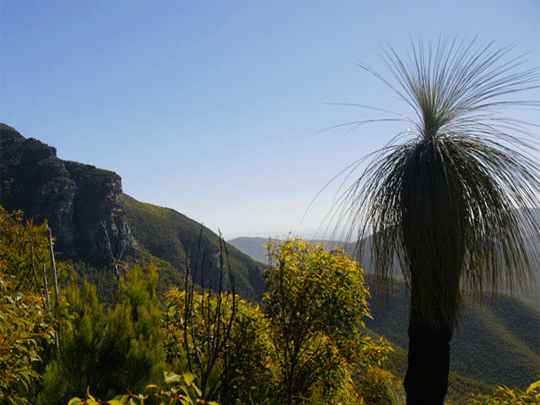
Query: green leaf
[[121, 399], [533, 386], [186, 390], [197, 390], [172, 377], [189, 378], [115, 402]]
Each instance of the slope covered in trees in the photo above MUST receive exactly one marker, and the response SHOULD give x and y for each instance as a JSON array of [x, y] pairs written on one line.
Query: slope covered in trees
[[495, 343], [175, 238]]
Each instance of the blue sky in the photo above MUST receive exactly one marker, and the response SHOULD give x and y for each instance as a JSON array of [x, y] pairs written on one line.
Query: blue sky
[[218, 109]]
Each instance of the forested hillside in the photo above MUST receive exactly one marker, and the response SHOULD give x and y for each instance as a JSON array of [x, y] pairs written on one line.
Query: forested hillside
[[495, 342], [174, 238], [529, 294]]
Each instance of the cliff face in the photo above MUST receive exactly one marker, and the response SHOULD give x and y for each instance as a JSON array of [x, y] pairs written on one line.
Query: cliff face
[[83, 204]]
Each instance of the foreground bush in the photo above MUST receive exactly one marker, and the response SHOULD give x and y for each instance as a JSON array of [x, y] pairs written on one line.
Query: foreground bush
[[304, 346], [26, 327], [316, 303], [222, 342], [176, 390], [108, 352]]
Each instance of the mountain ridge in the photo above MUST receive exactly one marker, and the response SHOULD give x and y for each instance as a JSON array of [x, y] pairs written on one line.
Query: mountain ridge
[[175, 238]]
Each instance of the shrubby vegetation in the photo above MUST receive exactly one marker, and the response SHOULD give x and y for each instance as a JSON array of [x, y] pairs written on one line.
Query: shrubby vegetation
[[507, 396], [223, 345], [109, 351], [193, 345], [316, 304], [217, 336], [26, 328]]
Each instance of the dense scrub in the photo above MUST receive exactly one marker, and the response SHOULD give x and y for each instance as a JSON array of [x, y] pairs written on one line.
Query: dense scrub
[[194, 344]]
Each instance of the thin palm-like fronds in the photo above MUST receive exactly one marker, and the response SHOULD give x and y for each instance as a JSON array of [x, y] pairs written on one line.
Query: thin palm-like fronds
[[449, 205]]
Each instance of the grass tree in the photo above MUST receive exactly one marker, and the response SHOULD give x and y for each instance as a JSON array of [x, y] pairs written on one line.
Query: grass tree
[[447, 198]]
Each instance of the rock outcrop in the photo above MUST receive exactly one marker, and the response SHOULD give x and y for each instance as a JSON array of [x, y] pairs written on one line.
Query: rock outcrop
[[83, 204]]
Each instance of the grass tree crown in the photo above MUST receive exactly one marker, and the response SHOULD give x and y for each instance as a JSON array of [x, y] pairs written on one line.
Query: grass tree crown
[[447, 199]]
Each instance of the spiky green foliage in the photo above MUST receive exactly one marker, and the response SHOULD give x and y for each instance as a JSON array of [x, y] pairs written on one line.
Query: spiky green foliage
[[107, 351], [443, 197]]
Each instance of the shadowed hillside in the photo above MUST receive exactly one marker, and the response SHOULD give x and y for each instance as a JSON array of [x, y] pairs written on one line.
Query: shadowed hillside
[[495, 343]]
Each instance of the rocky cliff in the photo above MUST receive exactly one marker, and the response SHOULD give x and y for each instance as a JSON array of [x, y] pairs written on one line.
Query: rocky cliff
[[83, 204]]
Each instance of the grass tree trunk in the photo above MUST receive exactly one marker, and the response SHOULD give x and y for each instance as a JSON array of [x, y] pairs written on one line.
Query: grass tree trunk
[[426, 381]]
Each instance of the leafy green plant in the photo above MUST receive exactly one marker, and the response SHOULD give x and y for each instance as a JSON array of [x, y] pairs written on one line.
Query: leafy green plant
[[377, 386], [26, 328], [218, 337], [315, 304], [233, 363], [506, 396], [24, 331], [24, 252], [180, 388]]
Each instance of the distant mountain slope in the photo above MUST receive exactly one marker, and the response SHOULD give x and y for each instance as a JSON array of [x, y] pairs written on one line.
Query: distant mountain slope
[[252, 246], [495, 343], [173, 237]]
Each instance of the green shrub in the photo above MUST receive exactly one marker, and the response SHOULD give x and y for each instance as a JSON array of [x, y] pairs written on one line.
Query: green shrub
[[108, 352], [176, 390], [377, 387], [227, 350], [26, 328], [315, 304]]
